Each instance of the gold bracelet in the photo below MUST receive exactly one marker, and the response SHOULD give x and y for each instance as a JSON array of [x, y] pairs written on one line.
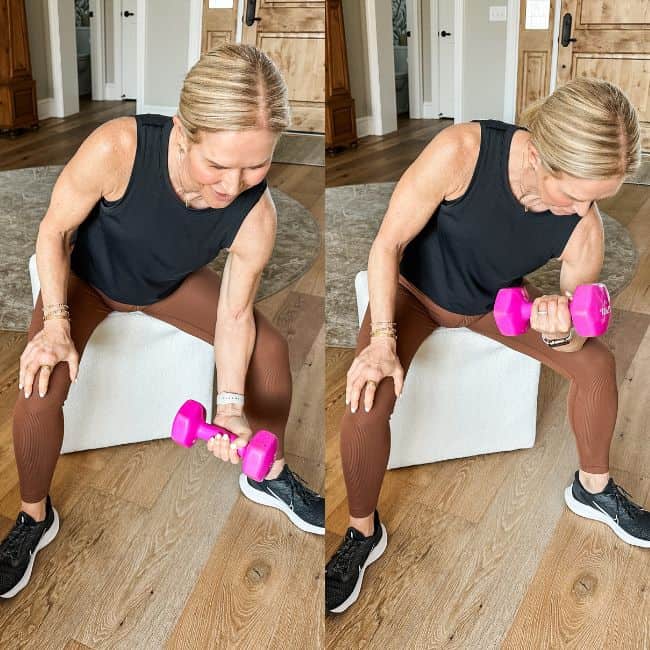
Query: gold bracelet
[[60, 305], [56, 314], [377, 327], [385, 333]]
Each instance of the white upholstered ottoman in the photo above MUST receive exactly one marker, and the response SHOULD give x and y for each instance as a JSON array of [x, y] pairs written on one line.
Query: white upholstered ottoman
[[464, 394], [134, 374]]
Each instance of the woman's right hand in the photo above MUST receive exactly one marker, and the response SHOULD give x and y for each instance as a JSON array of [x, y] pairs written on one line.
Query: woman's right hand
[[50, 346], [374, 363]]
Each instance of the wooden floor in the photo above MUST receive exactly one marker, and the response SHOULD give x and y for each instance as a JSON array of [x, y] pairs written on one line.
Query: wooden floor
[[136, 564], [482, 551]]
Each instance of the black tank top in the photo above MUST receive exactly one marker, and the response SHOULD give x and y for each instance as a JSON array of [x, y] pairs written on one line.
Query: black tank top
[[140, 248], [484, 240]]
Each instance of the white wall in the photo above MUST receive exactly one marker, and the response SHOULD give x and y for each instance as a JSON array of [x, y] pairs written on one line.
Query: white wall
[[484, 62], [65, 44], [354, 21], [38, 31], [166, 34], [484, 53]]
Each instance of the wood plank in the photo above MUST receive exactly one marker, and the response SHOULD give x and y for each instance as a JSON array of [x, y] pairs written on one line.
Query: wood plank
[[584, 570], [75, 645], [630, 450], [145, 586], [636, 296], [70, 572], [306, 420], [123, 476], [267, 585], [397, 595]]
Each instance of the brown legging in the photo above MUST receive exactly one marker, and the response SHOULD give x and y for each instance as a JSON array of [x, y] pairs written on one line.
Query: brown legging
[[365, 437], [38, 422]]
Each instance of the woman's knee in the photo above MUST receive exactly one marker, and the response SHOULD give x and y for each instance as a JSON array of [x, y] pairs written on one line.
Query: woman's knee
[[269, 343], [364, 424], [598, 364]]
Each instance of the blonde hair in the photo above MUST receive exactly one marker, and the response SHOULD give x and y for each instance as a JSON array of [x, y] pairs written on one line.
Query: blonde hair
[[587, 128], [234, 87]]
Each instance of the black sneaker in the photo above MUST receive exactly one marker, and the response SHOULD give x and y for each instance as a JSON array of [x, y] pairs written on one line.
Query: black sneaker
[[344, 572], [289, 493], [19, 548], [614, 507]]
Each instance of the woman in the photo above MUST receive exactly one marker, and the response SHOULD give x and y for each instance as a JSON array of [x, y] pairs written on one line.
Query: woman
[[504, 201], [152, 200]]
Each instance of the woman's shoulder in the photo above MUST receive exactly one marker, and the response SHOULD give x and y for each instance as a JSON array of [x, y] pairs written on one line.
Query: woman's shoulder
[[455, 150], [111, 148], [461, 138], [117, 137]]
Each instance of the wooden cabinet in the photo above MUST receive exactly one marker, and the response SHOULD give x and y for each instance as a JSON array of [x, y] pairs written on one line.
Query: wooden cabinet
[[340, 121], [17, 88]]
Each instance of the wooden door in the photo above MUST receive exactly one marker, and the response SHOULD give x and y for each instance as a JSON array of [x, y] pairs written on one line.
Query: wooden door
[[534, 56], [218, 25], [340, 121], [292, 33], [612, 42]]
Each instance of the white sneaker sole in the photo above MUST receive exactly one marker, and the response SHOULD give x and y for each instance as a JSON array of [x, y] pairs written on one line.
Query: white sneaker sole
[[374, 555], [264, 499], [45, 540], [591, 513]]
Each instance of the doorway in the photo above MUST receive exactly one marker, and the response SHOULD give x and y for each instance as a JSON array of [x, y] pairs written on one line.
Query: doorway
[[400, 58], [420, 79], [82, 33]]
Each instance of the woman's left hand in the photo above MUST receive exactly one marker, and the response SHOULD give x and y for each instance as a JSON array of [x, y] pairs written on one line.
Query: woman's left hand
[[550, 316], [221, 447]]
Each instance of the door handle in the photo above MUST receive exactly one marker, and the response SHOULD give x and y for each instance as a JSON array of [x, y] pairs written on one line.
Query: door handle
[[565, 39], [250, 17], [443, 33], [127, 13]]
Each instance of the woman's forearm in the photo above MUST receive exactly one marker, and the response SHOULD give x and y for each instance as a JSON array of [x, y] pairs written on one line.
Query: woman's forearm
[[383, 276], [53, 263], [234, 338]]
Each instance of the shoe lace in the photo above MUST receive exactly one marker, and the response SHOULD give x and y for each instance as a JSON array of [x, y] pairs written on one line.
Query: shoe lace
[[340, 562], [300, 487], [13, 543], [624, 502]]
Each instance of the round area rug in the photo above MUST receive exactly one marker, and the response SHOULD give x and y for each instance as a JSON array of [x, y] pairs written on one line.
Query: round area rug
[[354, 213], [24, 198]]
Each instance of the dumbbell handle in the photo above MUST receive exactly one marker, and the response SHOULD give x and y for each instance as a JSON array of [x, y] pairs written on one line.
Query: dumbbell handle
[[527, 309], [205, 431]]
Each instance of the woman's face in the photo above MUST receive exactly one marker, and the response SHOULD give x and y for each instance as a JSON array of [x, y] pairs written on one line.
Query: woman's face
[[226, 163], [566, 194]]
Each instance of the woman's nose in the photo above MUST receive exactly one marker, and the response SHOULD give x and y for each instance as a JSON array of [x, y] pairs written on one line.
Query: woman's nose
[[231, 181]]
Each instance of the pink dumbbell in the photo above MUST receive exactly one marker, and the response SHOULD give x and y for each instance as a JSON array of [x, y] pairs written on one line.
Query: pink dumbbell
[[590, 310], [257, 456]]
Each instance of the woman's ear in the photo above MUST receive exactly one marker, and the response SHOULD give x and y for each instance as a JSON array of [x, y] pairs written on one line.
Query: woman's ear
[[181, 135], [533, 155]]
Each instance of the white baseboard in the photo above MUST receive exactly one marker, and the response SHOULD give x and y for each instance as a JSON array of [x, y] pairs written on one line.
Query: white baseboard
[[160, 110], [112, 92], [46, 108], [429, 111], [366, 126]]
